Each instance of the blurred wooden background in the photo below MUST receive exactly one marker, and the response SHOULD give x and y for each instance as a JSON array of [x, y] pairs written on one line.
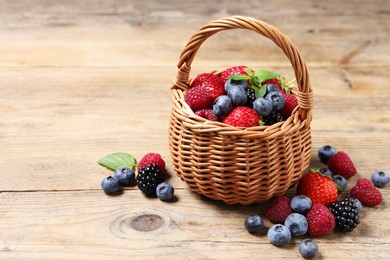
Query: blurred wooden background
[[82, 79]]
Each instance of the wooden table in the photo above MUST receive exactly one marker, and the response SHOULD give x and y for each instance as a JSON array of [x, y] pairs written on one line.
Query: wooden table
[[82, 79]]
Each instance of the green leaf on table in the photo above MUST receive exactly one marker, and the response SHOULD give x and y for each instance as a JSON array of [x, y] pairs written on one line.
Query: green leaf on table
[[118, 160]]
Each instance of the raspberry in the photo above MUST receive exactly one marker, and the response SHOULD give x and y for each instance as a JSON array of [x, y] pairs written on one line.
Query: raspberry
[[148, 178], [279, 210], [150, 158], [207, 114], [341, 164], [320, 220], [198, 98], [366, 193]]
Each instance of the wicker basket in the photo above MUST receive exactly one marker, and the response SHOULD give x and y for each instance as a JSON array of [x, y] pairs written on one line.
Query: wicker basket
[[238, 165]]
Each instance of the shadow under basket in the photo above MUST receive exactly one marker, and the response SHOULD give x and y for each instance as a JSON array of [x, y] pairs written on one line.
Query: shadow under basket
[[232, 164]]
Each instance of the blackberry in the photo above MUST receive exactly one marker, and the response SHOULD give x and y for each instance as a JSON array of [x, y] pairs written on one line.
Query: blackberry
[[148, 178], [273, 118], [346, 214], [251, 97]]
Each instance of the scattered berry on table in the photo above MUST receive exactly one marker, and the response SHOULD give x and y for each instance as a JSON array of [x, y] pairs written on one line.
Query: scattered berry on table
[[366, 193], [231, 83], [165, 191], [320, 220], [222, 106], [110, 185], [237, 95], [326, 171], [301, 204], [341, 164], [233, 71], [279, 235], [273, 118], [278, 210], [263, 106], [290, 103], [318, 187], [212, 83], [380, 179], [242, 117], [346, 214], [148, 178], [325, 152], [207, 113], [150, 158], [198, 98], [277, 100], [125, 176], [251, 97], [341, 182], [297, 224], [253, 224], [308, 248]]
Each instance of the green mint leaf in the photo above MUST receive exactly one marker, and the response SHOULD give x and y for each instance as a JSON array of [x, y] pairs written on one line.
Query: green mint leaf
[[118, 160], [265, 75], [339, 188], [260, 91], [249, 72], [261, 122], [239, 77]]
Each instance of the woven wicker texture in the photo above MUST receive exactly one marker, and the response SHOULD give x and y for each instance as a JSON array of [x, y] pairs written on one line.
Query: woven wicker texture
[[238, 165]]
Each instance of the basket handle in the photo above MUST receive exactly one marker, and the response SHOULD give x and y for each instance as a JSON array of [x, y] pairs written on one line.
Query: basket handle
[[304, 92]]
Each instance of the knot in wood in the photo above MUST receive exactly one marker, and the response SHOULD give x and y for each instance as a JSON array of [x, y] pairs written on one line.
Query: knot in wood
[[147, 222]]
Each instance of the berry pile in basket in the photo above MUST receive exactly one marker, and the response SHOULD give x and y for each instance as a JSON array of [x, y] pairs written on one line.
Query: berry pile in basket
[[150, 178], [321, 203], [241, 97]]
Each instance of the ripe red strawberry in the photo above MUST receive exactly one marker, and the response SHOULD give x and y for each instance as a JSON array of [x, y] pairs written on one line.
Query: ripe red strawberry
[[242, 117], [213, 84], [198, 98], [318, 187], [366, 192], [207, 113], [151, 158], [341, 164], [320, 220], [233, 71], [278, 210], [290, 103]]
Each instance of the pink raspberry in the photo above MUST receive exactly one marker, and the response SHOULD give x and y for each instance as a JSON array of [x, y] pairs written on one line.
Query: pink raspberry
[[151, 158]]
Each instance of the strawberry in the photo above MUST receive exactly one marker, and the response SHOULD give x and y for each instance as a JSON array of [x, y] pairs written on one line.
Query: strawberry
[[151, 158], [318, 187], [341, 164], [320, 220], [207, 113], [278, 210], [290, 103], [213, 84], [198, 98], [242, 117], [366, 193], [233, 71]]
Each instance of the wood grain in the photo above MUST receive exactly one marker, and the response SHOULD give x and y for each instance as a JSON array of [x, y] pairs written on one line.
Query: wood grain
[[80, 80]]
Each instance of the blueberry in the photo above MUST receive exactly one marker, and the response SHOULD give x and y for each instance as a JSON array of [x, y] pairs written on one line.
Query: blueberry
[[237, 95], [380, 179], [234, 83], [272, 88], [358, 204], [165, 191], [340, 181], [263, 106], [253, 223], [301, 204], [125, 176], [277, 100], [297, 224], [279, 234], [308, 248], [325, 152], [110, 185], [326, 171], [222, 106]]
